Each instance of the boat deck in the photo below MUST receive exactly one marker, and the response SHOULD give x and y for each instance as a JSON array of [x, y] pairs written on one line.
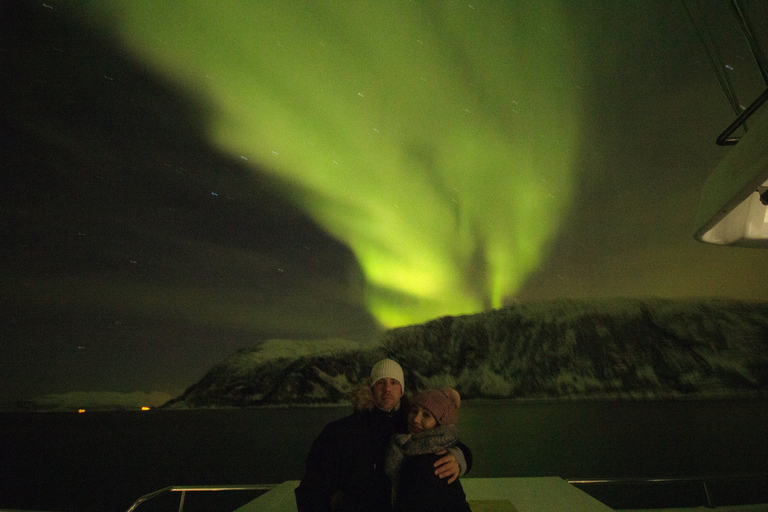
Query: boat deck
[[550, 494], [545, 494]]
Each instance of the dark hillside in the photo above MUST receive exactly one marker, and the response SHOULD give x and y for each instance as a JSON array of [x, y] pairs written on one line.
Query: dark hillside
[[560, 349]]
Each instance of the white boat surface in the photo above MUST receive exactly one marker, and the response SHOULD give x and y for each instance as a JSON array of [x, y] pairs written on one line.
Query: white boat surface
[[540, 494]]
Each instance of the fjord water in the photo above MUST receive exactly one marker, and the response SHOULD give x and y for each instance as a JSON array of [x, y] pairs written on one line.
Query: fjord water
[[105, 460]]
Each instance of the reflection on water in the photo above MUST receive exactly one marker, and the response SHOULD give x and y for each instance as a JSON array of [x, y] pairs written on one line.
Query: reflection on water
[[618, 439], [105, 460]]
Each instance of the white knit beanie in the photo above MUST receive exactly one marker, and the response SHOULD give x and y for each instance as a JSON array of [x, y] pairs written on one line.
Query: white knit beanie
[[387, 369]]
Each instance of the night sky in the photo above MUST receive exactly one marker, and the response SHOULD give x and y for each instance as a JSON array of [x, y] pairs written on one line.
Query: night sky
[[184, 179]]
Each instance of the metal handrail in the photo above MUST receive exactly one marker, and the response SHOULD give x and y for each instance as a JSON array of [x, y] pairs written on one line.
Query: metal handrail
[[702, 479], [184, 488], [723, 139], [747, 476], [268, 487]]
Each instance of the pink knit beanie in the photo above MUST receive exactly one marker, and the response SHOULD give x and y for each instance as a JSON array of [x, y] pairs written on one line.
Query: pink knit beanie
[[443, 403]]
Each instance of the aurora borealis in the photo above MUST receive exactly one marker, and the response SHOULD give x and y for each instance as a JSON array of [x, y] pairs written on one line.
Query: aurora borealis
[[186, 178], [426, 137]]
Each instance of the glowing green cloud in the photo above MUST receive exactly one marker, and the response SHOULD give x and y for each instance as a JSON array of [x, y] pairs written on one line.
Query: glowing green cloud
[[435, 139]]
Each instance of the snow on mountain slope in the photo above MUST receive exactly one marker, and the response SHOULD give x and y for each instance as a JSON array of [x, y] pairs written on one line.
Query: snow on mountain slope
[[624, 348]]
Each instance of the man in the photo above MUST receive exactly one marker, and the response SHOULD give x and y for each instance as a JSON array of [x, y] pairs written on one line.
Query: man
[[345, 465]]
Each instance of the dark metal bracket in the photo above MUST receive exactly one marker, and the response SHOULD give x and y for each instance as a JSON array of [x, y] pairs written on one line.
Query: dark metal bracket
[[723, 139]]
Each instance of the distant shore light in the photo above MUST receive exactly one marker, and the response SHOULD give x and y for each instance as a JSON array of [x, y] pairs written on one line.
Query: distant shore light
[[81, 410], [145, 408]]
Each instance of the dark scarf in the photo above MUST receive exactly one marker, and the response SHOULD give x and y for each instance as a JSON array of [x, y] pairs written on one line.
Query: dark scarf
[[407, 445]]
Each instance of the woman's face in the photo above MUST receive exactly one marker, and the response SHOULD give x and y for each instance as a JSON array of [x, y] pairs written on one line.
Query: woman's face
[[420, 419]]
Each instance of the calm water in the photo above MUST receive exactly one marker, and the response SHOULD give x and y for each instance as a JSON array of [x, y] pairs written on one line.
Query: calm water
[[105, 460]]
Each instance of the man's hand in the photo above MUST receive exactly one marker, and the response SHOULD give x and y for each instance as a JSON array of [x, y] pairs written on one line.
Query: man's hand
[[447, 466]]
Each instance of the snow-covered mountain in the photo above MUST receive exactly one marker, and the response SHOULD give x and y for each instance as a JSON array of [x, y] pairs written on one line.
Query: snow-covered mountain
[[91, 401], [559, 349]]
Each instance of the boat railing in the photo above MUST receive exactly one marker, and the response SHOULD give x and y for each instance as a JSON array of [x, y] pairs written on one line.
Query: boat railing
[[709, 491], [184, 489], [695, 491]]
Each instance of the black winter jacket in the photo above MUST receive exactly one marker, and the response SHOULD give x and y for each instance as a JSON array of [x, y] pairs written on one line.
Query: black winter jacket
[[345, 465], [420, 490]]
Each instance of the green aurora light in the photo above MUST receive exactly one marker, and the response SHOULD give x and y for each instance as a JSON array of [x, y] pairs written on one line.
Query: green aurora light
[[435, 139]]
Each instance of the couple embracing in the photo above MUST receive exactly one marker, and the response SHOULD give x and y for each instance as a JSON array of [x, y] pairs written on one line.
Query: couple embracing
[[391, 454]]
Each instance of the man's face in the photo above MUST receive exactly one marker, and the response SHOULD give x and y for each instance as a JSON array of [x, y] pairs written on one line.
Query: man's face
[[387, 393]]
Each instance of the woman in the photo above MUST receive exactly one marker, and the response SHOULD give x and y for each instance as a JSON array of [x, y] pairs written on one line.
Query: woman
[[410, 458]]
